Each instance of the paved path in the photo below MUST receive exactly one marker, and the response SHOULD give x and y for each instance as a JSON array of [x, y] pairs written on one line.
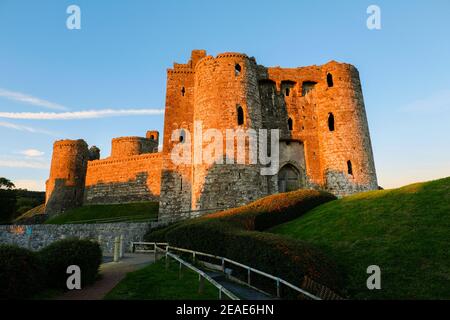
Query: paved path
[[111, 274], [242, 291]]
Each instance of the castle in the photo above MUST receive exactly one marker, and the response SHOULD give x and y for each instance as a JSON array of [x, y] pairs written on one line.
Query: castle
[[324, 140]]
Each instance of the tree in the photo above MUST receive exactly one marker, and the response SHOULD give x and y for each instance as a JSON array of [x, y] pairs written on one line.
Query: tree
[[8, 200], [6, 184]]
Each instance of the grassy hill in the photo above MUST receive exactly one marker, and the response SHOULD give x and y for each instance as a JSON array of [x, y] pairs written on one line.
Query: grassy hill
[[34, 215], [138, 211], [405, 231]]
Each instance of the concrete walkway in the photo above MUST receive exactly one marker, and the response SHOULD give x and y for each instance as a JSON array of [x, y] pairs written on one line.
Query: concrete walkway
[[111, 274], [242, 291]]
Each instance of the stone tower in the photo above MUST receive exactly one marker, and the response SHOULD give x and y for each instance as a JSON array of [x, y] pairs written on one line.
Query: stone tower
[[324, 140], [65, 186], [226, 97], [345, 147]]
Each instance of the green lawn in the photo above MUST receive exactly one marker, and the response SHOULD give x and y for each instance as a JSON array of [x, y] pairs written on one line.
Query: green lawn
[[139, 211], [406, 232], [154, 282]]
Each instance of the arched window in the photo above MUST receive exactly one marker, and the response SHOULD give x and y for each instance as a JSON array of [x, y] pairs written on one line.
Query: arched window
[[286, 93], [331, 121], [240, 116], [330, 80], [290, 124], [349, 167], [183, 91], [182, 135], [152, 137], [237, 69]]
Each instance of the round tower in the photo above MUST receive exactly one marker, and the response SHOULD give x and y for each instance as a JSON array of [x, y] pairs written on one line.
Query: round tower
[[226, 98], [65, 186], [346, 156], [125, 147]]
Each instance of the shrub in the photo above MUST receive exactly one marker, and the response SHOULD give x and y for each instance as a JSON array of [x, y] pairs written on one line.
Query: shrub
[[59, 255], [235, 234], [21, 274], [159, 234]]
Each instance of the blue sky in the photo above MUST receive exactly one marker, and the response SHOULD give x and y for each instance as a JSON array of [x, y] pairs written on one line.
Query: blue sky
[[118, 60]]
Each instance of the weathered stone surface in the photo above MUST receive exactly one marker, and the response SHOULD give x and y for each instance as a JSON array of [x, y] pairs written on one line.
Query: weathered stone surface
[[36, 237], [319, 110], [298, 101]]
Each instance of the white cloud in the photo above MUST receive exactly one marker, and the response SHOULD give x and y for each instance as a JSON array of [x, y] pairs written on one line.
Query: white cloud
[[24, 98], [31, 153], [436, 102], [89, 114], [25, 128], [32, 185], [9, 162]]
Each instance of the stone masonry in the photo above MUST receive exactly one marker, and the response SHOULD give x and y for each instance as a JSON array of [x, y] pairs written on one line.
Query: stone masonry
[[36, 237], [319, 110]]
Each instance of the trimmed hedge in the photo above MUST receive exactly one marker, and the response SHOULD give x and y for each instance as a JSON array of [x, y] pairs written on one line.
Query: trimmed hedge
[[59, 255], [235, 234], [21, 273]]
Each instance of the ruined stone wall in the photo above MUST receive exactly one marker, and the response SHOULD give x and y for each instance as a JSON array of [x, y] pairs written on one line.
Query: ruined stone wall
[[176, 182], [349, 143], [222, 85], [297, 101], [65, 186], [36, 237], [132, 146], [307, 96], [125, 179], [297, 106]]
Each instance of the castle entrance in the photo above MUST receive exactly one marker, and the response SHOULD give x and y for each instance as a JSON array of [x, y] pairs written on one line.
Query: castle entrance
[[288, 179]]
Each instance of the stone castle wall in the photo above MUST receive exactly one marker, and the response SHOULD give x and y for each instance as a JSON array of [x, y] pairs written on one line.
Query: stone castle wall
[[36, 237], [126, 179], [77, 177], [319, 110], [298, 101], [65, 186]]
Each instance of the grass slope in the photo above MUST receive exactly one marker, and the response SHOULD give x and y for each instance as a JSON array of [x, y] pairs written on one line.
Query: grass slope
[[36, 213], [139, 211], [405, 231], [154, 282]]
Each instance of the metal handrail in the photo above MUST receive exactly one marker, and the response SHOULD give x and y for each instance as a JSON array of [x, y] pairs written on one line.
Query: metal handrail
[[223, 260], [201, 273], [250, 269]]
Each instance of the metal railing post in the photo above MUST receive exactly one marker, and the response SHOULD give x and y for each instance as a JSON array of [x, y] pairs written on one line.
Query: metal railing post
[[121, 246], [116, 249], [278, 288], [167, 261], [248, 275], [180, 271], [201, 284]]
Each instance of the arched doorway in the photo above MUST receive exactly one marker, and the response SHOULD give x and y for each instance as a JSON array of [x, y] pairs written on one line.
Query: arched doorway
[[288, 179]]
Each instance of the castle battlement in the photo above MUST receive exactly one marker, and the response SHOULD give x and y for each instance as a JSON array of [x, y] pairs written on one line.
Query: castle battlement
[[319, 110]]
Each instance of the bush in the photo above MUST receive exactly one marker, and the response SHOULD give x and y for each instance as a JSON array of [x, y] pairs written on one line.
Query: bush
[[159, 234], [21, 274], [235, 234], [59, 255], [8, 205]]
